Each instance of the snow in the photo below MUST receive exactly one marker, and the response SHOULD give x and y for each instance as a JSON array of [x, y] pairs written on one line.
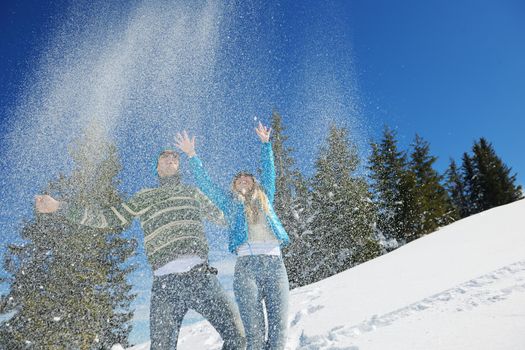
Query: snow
[[462, 287]]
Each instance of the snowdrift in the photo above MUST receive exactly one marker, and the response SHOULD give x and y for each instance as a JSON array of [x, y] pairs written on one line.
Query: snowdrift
[[462, 287]]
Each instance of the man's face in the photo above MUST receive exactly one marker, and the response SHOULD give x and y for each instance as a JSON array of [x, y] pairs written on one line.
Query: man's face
[[168, 163], [244, 183]]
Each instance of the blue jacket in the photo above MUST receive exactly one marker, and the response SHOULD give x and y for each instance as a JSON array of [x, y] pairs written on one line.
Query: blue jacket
[[233, 209]]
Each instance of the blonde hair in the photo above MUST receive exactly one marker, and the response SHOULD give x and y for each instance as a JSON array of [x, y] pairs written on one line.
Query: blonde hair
[[253, 201]]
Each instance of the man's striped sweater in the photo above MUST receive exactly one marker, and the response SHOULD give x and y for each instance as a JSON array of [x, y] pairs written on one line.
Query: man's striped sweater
[[171, 217]]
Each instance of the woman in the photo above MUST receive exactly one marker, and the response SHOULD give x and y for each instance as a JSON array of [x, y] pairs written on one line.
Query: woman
[[256, 235]]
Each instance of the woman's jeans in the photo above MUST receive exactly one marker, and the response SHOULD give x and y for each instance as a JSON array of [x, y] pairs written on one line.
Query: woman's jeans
[[261, 278], [174, 294]]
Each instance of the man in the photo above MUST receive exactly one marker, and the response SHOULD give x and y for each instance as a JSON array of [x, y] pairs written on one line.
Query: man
[[171, 217]]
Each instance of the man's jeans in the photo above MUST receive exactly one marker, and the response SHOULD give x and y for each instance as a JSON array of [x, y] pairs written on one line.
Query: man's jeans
[[261, 278], [174, 294]]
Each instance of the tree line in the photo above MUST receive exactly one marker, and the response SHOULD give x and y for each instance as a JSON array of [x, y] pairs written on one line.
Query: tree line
[[341, 216]]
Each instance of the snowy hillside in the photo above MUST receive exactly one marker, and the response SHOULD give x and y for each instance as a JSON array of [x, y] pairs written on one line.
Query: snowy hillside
[[462, 287]]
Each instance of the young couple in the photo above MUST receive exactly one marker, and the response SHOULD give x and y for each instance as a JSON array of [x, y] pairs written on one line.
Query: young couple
[[172, 218]]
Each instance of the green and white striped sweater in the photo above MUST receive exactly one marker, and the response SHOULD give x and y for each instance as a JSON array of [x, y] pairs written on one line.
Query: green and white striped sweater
[[171, 217]]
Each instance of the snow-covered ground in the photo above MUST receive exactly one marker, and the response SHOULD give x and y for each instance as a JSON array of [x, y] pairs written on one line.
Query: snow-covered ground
[[462, 287]]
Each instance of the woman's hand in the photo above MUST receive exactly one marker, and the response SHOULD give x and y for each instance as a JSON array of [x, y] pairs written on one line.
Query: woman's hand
[[263, 132], [185, 144]]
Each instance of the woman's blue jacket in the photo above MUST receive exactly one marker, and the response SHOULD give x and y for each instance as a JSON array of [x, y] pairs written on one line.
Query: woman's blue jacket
[[233, 208]]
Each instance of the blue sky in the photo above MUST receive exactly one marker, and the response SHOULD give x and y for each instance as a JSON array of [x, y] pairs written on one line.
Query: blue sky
[[452, 72]]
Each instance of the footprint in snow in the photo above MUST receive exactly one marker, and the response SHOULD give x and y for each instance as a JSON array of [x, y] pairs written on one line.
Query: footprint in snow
[[305, 312]]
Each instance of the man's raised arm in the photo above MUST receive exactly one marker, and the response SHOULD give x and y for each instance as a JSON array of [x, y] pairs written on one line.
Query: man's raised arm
[[113, 217]]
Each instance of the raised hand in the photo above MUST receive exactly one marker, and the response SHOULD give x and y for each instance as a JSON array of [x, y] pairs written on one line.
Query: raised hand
[[263, 132], [46, 204], [185, 143]]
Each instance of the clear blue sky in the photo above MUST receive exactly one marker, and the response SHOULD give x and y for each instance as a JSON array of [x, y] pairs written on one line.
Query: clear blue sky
[[450, 71]]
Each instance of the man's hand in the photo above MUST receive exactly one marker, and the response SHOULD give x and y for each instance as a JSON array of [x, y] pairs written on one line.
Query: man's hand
[[46, 204], [263, 132], [185, 144]]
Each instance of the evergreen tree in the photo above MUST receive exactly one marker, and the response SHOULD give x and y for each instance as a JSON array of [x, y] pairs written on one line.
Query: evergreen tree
[[284, 162], [98, 176], [342, 232], [300, 231], [484, 181], [69, 287], [495, 185], [393, 187], [456, 190], [470, 186], [291, 201], [432, 204]]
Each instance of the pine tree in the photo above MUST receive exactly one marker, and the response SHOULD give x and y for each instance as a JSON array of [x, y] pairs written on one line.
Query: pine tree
[[484, 181], [342, 233], [291, 201], [299, 228], [98, 176], [69, 287], [393, 190], [456, 190], [433, 207], [285, 175], [470, 186], [493, 180]]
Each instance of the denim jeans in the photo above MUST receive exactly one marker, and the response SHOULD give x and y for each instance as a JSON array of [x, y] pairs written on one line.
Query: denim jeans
[[258, 279], [174, 294]]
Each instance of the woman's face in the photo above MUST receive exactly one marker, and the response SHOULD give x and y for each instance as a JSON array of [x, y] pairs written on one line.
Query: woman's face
[[244, 183]]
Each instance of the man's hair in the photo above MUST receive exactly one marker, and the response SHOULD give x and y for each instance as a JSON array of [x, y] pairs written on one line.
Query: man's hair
[[169, 151]]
